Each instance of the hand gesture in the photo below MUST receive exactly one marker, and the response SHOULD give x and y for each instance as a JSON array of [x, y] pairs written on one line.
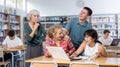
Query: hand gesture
[[36, 26]]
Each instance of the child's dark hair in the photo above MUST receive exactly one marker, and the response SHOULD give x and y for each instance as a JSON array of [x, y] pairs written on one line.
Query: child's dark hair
[[93, 34], [11, 33]]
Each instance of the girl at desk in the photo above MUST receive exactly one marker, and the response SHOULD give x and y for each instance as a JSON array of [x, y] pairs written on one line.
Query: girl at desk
[[91, 46], [55, 38]]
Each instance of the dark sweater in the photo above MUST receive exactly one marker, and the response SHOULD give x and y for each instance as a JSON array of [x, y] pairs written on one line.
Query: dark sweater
[[37, 38]]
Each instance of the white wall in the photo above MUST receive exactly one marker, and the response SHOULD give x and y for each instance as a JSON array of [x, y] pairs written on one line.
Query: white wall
[[54, 7], [69, 7], [104, 6]]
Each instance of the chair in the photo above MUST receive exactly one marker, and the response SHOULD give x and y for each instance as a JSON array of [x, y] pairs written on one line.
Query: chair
[[5, 63], [43, 64], [83, 64]]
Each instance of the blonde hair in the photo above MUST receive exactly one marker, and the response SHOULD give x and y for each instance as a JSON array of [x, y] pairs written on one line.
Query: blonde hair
[[52, 30], [31, 13]]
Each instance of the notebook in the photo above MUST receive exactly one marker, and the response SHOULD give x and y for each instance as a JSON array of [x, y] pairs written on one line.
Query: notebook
[[59, 53]]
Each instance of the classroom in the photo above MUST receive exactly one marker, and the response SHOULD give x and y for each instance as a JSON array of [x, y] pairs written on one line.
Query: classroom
[[59, 33]]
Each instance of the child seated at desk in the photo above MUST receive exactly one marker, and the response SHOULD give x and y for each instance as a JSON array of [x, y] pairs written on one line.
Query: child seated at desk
[[12, 42], [55, 38], [106, 40], [91, 46]]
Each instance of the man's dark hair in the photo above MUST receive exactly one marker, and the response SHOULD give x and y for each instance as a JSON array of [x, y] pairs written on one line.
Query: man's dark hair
[[89, 11], [11, 33], [106, 31]]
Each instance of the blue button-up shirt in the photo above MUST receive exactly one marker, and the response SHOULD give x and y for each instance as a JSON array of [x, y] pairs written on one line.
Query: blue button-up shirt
[[76, 31]]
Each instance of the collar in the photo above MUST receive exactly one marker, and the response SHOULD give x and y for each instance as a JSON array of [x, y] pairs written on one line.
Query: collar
[[85, 24]]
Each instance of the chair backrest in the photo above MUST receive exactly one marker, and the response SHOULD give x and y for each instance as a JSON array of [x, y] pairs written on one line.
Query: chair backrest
[[83, 64], [1, 52], [43, 64]]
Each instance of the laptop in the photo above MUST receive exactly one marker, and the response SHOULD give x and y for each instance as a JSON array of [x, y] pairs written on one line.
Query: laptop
[[115, 42], [59, 53]]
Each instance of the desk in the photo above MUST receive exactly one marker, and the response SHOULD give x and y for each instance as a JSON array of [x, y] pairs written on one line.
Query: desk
[[101, 61], [114, 53], [12, 52]]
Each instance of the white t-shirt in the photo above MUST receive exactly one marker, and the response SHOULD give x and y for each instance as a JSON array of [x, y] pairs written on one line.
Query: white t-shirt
[[107, 41], [12, 43]]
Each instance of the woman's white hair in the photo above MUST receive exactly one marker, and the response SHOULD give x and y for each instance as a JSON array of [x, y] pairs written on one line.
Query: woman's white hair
[[31, 13]]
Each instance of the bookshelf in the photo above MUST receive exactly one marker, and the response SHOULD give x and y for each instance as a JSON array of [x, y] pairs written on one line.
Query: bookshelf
[[15, 24], [101, 22], [9, 22], [48, 21], [118, 19]]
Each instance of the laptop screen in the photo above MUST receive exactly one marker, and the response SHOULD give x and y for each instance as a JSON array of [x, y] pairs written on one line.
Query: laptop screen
[[115, 42]]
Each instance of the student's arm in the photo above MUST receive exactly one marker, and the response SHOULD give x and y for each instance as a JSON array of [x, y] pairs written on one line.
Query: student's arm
[[70, 47], [46, 53], [102, 51], [20, 47], [79, 50]]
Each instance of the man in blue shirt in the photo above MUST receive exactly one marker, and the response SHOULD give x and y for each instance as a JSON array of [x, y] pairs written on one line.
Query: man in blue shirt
[[77, 26]]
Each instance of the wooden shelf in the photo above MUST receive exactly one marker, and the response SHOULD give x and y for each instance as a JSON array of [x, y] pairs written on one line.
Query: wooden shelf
[[9, 22]]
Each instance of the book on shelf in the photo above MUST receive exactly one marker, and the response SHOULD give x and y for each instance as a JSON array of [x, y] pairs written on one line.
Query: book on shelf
[[4, 18], [0, 17], [0, 25], [104, 26], [4, 26], [8, 22], [2, 33], [13, 19], [102, 19], [14, 27]]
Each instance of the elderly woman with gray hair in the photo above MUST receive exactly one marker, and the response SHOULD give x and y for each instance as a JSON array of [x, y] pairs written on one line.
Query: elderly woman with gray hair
[[34, 33]]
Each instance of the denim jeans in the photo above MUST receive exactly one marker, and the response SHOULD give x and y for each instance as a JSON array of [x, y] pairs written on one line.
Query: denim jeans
[[15, 58]]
